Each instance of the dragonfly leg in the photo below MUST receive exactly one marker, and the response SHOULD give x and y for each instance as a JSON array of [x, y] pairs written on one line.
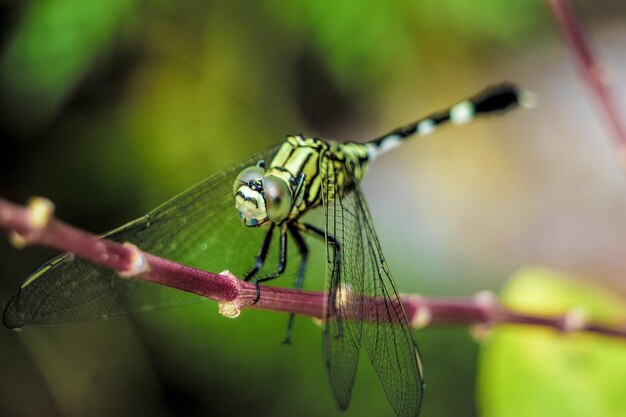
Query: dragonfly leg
[[282, 262], [304, 254], [260, 258], [313, 230]]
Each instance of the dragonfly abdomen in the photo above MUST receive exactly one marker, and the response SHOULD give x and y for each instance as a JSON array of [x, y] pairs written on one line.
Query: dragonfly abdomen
[[495, 99]]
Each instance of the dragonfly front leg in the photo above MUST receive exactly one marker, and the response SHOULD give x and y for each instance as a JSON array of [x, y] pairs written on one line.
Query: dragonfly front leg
[[262, 255], [282, 261]]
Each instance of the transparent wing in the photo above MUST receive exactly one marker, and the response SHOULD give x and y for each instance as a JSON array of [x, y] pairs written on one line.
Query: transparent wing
[[363, 306], [343, 315], [200, 227]]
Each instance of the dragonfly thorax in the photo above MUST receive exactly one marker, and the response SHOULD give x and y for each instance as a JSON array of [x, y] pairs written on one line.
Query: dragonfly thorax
[[262, 196]]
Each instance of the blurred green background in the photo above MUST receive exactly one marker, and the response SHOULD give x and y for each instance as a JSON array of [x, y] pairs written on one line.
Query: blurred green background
[[110, 107]]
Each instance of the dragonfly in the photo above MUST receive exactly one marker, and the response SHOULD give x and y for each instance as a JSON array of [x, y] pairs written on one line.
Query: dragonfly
[[272, 191]]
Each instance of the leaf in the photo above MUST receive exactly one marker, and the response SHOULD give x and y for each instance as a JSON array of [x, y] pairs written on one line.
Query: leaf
[[53, 46], [360, 39], [533, 371]]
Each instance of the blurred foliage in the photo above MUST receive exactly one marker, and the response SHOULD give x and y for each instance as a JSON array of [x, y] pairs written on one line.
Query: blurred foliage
[[54, 45], [401, 32], [538, 372]]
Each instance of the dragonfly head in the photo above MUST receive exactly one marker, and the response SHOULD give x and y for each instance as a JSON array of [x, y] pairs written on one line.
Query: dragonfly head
[[262, 197]]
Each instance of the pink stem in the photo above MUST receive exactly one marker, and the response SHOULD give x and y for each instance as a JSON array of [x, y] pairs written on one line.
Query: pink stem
[[580, 48], [132, 263]]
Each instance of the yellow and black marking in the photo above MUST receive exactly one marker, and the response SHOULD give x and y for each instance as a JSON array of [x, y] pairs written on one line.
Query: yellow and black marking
[[301, 161], [299, 156], [296, 173]]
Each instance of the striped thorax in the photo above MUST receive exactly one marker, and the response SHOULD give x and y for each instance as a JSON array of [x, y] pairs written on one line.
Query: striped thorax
[[292, 182]]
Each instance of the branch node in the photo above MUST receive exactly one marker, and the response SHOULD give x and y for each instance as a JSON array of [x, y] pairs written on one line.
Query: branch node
[[229, 309], [233, 278], [138, 264], [486, 300], [40, 212], [239, 299], [345, 294], [575, 320], [423, 317], [491, 312]]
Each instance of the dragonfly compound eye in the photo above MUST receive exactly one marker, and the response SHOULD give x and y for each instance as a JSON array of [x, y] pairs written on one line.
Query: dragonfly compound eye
[[278, 198], [254, 173]]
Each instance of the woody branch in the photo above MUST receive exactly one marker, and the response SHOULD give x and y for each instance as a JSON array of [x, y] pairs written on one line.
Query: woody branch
[[36, 225]]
